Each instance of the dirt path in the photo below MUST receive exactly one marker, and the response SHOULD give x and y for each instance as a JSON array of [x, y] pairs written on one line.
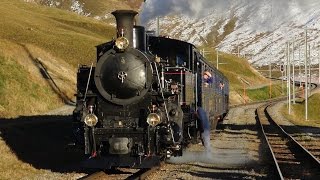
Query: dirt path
[[235, 152], [64, 110]]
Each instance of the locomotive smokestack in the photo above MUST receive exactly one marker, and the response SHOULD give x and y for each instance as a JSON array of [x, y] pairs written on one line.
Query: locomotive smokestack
[[125, 21]]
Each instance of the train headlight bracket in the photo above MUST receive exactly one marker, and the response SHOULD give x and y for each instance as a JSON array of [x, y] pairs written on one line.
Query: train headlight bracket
[[90, 120], [153, 119]]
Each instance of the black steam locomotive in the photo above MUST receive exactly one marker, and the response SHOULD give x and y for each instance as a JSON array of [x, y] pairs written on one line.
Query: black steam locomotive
[[138, 105]]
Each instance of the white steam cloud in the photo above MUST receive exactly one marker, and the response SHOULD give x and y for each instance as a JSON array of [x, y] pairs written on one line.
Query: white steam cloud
[[192, 8], [197, 156]]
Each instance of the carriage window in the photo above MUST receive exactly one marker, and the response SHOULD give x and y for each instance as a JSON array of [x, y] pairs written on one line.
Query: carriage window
[[195, 61], [180, 60]]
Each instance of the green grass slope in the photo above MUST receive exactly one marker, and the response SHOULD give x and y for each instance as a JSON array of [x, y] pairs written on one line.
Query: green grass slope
[[240, 74], [60, 39], [18, 90], [59, 32], [298, 112], [237, 69]]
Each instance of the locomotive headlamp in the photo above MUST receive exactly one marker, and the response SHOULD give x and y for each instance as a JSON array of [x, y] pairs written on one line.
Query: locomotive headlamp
[[153, 119], [91, 120], [122, 43], [157, 59]]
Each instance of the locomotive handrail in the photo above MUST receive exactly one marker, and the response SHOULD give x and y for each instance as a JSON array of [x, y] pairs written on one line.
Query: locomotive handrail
[[165, 105], [174, 67], [85, 94]]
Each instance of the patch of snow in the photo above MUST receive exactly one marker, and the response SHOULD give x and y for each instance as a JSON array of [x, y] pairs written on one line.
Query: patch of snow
[[77, 7], [262, 30]]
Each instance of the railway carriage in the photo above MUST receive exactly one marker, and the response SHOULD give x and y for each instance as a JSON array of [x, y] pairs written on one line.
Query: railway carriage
[[138, 105]]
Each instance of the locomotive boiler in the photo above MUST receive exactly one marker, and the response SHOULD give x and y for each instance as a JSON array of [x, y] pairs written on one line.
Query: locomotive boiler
[[137, 105]]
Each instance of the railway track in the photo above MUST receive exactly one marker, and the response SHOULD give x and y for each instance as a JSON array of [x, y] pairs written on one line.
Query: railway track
[[276, 99], [122, 173], [310, 141], [291, 160]]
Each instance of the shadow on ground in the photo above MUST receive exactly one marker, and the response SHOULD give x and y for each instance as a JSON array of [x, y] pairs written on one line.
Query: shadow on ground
[[43, 145]]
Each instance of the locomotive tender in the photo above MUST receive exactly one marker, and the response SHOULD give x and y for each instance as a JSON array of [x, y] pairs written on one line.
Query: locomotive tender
[[138, 105]]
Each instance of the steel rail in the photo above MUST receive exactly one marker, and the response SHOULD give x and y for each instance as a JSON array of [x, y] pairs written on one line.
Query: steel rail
[[294, 147], [258, 113], [302, 148]]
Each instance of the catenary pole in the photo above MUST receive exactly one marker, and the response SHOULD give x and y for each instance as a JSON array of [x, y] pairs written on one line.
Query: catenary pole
[[217, 59], [309, 74], [270, 77], [299, 63], [306, 76], [289, 77], [286, 69], [293, 77], [319, 65]]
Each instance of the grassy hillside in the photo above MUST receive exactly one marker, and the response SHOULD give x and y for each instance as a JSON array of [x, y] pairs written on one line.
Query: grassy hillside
[[239, 72], [61, 33], [263, 93], [235, 68], [298, 112], [37, 38], [34, 38], [16, 85]]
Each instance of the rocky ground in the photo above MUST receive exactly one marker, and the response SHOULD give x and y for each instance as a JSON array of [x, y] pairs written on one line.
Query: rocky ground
[[235, 152]]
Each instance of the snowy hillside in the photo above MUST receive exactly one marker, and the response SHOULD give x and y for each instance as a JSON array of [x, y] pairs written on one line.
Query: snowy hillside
[[260, 29]]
